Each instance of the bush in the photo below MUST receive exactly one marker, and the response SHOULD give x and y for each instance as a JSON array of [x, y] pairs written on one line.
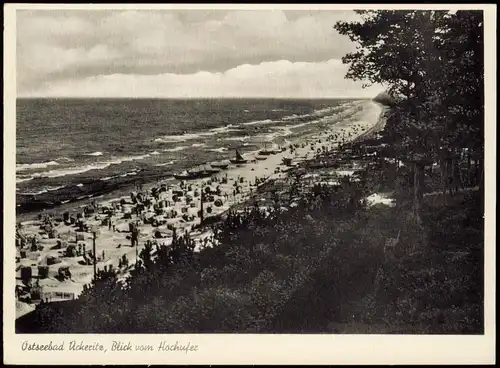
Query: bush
[[319, 267]]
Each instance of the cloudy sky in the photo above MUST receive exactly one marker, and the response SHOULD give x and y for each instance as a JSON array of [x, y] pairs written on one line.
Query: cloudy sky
[[188, 53]]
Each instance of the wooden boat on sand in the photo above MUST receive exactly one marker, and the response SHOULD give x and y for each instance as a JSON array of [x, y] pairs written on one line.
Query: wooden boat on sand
[[238, 159]]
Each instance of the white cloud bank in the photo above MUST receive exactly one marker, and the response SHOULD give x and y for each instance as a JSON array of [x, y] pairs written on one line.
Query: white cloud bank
[[269, 79], [259, 53]]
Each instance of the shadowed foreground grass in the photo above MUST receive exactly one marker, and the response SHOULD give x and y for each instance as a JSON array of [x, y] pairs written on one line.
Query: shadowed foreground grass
[[318, 268]]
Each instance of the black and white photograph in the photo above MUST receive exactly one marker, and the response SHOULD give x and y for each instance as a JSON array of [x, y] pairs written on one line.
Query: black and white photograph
[[231, 170]]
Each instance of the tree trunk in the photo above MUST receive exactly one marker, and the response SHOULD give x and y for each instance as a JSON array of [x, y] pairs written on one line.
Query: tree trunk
[[444, 177], [418, 189], [453, 176], [469, 165], [462, 182], [477, 170]]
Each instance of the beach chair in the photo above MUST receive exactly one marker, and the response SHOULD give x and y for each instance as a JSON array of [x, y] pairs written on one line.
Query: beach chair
[[71, 251], [64, 273], [51, 260], [43, 272], [26, 274]]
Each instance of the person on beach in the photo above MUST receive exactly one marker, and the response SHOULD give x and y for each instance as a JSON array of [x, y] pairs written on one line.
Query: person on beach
[[135, 234]]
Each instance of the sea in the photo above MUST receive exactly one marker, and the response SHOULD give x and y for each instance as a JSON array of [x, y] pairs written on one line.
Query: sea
[[71, 149]]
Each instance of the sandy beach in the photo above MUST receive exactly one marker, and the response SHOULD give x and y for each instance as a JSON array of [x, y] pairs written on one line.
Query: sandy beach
[[162, 207]]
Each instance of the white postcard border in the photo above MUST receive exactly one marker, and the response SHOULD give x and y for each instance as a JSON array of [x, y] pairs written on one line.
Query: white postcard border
[[248, 348]]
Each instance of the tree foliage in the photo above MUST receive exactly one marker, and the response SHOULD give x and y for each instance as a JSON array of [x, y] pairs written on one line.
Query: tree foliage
[[432, 64]]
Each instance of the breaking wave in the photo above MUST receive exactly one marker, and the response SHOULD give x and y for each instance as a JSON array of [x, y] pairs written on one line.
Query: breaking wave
[[40, 165], [80, 169]]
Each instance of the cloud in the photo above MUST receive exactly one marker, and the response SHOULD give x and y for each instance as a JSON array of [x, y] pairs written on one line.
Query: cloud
[[269, 79], [56, 48]]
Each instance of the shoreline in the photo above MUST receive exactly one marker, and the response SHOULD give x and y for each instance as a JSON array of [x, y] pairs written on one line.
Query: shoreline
[[112, 191], [77, 174], [114, 245]]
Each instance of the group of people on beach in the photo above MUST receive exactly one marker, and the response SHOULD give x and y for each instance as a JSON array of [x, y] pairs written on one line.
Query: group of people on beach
[[181, 206]]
